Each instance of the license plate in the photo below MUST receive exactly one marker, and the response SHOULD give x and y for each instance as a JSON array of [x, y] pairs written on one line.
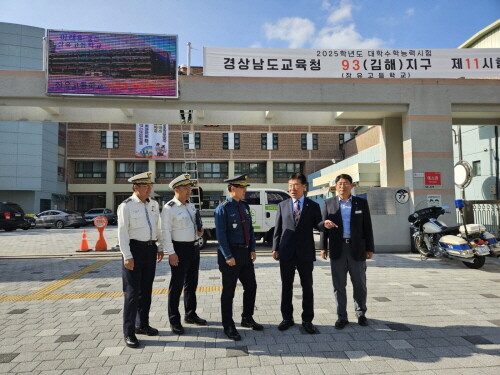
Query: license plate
[[482, 250], [17, 214]]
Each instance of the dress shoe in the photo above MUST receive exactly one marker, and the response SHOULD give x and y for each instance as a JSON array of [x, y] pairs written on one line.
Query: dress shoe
[[131, 341], [341, 323], [148, 330], [362, 321], [232, 333], [309, 327], [285, 324], [177, 328], [195, 319], [250, 323]]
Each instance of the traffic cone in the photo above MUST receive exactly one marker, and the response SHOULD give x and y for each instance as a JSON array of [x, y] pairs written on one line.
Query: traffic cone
[[84, 245]]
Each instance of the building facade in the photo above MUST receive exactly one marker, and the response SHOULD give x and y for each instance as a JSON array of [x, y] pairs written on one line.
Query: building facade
[[32, 154]]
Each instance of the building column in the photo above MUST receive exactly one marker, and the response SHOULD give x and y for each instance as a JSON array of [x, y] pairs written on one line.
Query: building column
[[230, 168], [428, 147], [391, 153], [269, 172], [110, 183]]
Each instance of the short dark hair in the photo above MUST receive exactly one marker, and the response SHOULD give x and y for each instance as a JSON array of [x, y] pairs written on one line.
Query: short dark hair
[[343, 176], [299, 176]]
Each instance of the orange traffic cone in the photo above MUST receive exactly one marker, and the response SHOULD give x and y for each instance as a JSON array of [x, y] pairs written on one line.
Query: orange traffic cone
[[84, 245]]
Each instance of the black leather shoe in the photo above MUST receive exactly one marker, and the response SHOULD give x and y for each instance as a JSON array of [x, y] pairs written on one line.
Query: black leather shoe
[[285, 324], [341, 323], [362, 321], [195, 319], [250, 323], [232, 333], [177, 328], [131, 341], [309, 327], [148, 330]]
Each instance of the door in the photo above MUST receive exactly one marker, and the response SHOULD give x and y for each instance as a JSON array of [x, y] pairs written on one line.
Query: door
[[253, 198], [271, 208]]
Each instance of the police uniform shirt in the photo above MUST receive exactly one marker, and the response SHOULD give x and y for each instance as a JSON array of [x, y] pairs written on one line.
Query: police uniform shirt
[[229, 228], [138, 221], [178, 223]]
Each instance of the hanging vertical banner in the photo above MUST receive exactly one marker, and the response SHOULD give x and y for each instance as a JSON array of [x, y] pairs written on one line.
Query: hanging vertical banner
[[151, 141]]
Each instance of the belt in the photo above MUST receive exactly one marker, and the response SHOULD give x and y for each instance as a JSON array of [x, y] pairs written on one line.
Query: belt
[[239, 245], [146, 243], [184, 242], [346, 240]]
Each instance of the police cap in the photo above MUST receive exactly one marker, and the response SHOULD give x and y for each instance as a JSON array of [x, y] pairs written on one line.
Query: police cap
[[238, 181], [183, 179], [145, 178]]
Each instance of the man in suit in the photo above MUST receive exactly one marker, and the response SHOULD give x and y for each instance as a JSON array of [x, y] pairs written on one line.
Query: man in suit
[[293, 246], [349, 239]]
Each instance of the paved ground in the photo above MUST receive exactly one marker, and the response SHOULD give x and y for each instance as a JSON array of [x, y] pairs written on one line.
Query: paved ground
[[60, 313]]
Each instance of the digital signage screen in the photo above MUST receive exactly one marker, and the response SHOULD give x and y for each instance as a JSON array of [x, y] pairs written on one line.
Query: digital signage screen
[[111, 64]]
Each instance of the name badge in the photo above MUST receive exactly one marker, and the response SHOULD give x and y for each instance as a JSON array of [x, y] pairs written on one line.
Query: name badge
[[358, 212], [235, 225]]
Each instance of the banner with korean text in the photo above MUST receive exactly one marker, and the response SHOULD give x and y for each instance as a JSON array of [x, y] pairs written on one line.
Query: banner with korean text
[[151, 141], [352, 63]]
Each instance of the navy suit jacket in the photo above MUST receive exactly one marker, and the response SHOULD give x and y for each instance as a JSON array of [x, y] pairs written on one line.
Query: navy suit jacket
[[290, 240], [361, 228]]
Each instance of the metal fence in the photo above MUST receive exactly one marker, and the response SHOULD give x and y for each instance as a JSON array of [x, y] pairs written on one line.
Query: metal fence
[[483, 212]]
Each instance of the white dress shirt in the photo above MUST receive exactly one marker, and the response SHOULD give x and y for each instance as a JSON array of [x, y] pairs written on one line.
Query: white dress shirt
[[138, 221], [178, 223]]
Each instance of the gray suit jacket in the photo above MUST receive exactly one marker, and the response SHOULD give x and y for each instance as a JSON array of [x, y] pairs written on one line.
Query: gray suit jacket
[[290, 240]]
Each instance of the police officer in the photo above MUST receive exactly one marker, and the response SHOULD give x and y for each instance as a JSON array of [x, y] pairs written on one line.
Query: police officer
[[138, 232], [236, 255], [180, 231]]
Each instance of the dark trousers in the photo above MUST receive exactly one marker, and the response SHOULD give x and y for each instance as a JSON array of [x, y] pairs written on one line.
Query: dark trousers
[[184, 277], [137, 286], [357, 271], [287, 270], [243, 271]]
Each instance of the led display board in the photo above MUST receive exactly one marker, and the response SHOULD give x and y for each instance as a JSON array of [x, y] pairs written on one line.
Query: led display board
[[111, 64]]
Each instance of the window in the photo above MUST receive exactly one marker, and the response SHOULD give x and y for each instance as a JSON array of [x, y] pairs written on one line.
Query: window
[[212, 170], [231, 141], [191, 141], [254, 170], [168, 169], [127, 170], [269, 141], [252, 197], [110, 139], [285, 170], [309, 141], [275, 197], [476, 168], [90, 169]]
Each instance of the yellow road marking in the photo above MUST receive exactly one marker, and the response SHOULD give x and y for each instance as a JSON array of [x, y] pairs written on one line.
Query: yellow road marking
[[46, 293], [51, 297]]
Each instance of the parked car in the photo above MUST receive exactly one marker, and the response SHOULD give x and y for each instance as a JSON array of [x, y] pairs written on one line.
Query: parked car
[[91, 214], [11, 216], [29, 222], [60, 219]]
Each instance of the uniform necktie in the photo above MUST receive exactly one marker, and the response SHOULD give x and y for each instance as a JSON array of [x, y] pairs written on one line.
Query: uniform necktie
[[246, 236], [296, 212]]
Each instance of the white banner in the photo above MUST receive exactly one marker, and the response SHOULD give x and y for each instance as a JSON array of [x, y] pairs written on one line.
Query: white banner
[[151, 141], [352, 63]]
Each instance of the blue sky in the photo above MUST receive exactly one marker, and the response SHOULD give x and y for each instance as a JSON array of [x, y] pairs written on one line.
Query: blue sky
[[268, 24]]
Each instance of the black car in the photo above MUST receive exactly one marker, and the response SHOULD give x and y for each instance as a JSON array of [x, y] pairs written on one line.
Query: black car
[[11, 216]]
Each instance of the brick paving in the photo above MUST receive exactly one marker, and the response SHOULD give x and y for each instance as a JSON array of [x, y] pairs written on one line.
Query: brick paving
[[61, 314]]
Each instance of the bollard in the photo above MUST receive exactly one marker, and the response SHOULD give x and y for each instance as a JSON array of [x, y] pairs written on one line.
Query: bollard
[[100, 223]]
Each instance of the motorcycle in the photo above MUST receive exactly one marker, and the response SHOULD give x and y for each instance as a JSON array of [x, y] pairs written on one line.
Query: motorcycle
[[478, 232], [433, 238]]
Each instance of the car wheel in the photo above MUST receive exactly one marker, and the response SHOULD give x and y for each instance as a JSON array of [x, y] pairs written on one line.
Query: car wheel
[[59, 224], [9, 229]]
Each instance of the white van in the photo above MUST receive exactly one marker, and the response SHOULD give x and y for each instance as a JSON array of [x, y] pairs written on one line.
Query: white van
[[263, 208]]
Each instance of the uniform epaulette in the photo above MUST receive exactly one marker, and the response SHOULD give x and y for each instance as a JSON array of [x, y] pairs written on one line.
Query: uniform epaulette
[[225, 202], [171, 203], [127, 200], [152, 198]]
